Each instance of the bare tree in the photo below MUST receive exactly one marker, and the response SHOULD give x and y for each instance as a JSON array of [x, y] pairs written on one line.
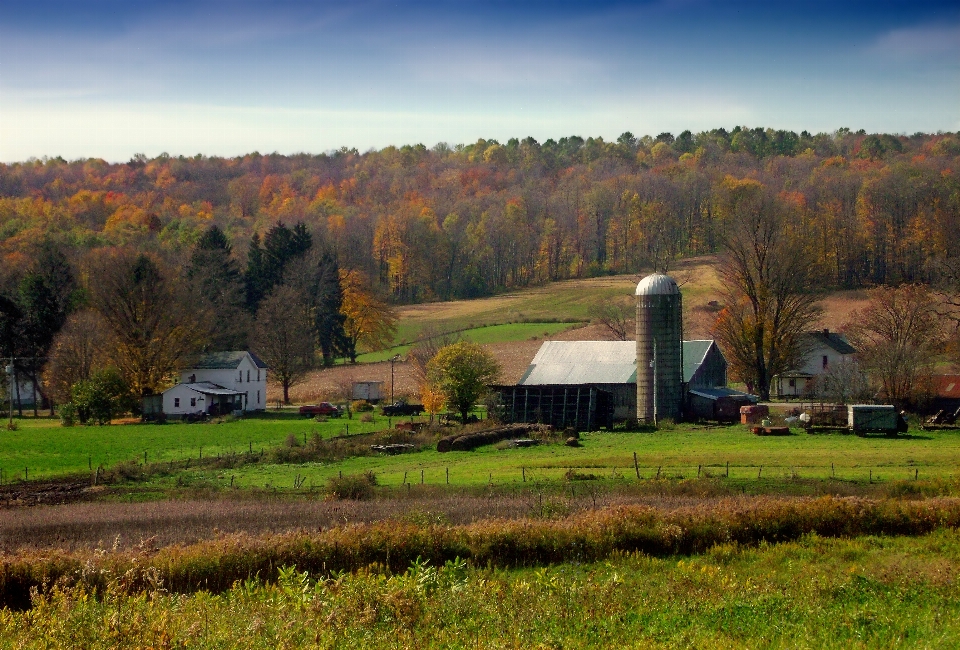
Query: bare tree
[[154, 323], [767, 276], [842, 383], [617, 316], [430, 342], [283, 337], [899, 336], [79, 349]]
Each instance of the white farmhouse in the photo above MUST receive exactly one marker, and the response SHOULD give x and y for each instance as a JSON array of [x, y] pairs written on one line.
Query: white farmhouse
[[824, 350], [220, 382]]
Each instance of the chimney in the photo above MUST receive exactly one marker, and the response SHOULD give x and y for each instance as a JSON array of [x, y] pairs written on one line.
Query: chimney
[[826, 331]]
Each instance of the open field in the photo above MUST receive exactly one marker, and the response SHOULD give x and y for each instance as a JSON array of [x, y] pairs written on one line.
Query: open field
[[684, 451], [46, 449]]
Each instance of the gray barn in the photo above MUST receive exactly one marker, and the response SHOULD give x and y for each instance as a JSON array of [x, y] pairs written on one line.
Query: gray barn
[[611, 367]]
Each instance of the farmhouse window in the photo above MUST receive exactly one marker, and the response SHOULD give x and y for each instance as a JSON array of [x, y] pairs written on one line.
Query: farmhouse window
[[193, 401], [248, 376], [240, 376], [258, 397], [824, 362], [793, 383], [176, 402], [258, 374]]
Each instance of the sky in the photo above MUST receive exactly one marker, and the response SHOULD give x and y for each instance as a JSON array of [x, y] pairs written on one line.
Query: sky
[[110, 79]]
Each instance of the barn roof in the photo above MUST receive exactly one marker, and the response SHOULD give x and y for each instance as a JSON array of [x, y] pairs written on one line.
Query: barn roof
[[599, 362], [227, 360], [583, 362], [948, 386]]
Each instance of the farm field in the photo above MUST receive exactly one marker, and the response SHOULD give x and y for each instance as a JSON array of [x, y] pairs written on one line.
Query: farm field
[[867, 592], [503, 333]]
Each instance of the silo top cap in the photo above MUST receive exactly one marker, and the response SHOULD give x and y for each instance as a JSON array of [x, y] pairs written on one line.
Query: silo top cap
[[657, 284]]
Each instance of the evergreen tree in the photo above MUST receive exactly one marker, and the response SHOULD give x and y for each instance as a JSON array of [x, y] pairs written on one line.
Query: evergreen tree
[[216, 279], [266, 264]]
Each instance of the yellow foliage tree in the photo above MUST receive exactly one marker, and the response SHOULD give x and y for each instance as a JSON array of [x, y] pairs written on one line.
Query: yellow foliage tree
[[370, 323]]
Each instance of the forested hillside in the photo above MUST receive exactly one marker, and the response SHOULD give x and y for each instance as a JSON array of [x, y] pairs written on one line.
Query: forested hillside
[[464, 221]]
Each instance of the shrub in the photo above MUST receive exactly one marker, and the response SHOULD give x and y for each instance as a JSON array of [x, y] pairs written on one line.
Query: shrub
[[357, 487], [361, 406], [68, 414]]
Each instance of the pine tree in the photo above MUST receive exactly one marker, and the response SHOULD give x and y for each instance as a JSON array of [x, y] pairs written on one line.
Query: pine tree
[[216, 278]]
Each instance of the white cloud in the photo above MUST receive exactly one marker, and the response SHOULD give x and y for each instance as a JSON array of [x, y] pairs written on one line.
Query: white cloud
[[932, 41]]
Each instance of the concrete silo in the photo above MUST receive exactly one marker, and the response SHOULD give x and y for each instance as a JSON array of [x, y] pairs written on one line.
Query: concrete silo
[[659, 348]]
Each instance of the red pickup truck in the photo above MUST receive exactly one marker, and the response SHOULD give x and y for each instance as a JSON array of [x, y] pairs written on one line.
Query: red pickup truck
[[323, 408]]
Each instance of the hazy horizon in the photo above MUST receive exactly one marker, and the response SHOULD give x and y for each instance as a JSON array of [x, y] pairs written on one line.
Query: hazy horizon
[[109, 79]]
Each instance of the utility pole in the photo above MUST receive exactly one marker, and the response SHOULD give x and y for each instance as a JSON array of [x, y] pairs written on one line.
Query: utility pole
[[393, 360], [10, 385]]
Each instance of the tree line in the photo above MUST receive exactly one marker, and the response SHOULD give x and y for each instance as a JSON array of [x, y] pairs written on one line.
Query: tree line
[[471, 220], [121, 323]]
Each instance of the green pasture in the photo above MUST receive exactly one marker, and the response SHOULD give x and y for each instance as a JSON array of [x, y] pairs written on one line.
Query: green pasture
[[686, 451], [46, 449], [503, 333]]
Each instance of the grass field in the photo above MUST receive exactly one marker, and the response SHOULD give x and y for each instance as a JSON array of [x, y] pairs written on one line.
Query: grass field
[[871, 592], [47, 449], [504, 333], [685, 451]]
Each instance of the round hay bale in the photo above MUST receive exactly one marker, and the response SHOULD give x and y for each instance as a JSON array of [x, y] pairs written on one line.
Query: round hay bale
[[572, 442]]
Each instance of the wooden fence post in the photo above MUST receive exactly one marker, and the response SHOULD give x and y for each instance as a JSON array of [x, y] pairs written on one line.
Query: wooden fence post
[[636, 466]]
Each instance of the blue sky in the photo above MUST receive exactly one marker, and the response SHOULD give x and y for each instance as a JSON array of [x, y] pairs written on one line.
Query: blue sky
[[114, 78]]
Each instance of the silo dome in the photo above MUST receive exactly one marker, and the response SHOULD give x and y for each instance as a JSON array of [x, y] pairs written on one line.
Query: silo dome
[[657, 284]]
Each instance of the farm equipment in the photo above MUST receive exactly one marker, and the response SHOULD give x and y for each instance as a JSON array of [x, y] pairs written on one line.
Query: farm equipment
[[875, 418]]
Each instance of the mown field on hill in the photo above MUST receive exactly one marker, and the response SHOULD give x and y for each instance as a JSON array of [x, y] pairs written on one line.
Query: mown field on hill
[[513, 325]]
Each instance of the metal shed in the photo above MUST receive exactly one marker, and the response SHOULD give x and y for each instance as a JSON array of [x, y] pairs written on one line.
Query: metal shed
[[721, 404]]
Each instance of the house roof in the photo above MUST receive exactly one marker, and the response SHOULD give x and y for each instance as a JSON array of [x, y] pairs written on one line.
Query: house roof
[[826, 338], [948, 386], [599, 362], [209, 388], [227, 360]]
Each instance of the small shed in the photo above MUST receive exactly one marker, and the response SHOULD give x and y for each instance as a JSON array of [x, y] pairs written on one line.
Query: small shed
[[371, 391], [721, 404], [874, 418], [947, 396]]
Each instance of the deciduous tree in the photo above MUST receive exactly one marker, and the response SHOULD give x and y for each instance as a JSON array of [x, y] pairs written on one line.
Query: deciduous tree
[[154, 326], [283, 337], [898, 336], [369, 323], [461, 372], [767, 285]]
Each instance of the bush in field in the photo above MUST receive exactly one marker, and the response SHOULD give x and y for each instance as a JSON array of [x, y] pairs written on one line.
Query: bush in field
[[102, 397], [357, 487]]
